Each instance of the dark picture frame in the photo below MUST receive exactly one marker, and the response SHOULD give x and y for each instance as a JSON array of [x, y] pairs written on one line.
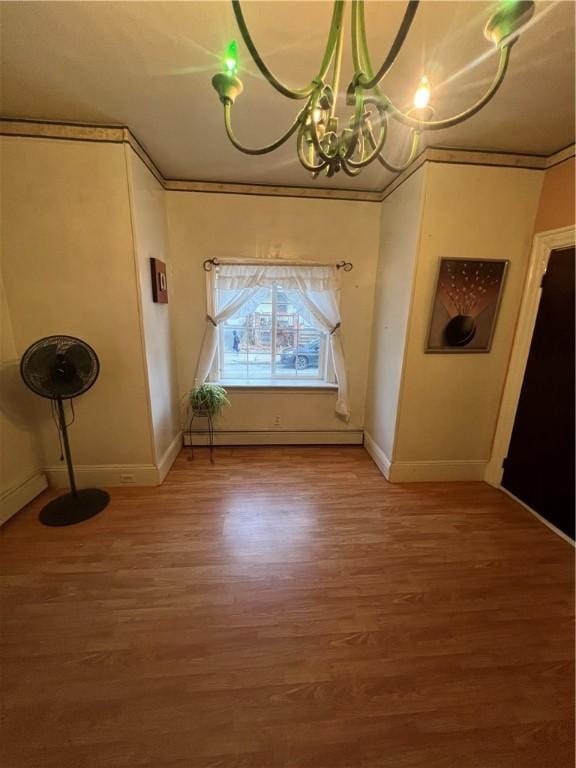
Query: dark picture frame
[[465, 306], [159, 281]]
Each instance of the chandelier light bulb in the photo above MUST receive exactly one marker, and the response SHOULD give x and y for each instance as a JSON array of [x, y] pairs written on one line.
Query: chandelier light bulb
[[422, 95], [231, 58], [317, 115]]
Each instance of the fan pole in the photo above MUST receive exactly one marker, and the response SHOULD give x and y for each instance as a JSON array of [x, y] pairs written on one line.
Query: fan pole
[[64, 433]]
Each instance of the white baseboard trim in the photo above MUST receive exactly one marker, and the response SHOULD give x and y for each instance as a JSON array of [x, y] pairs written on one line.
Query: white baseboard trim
[[280, 437], [436, 471], [380, 459], [548, 524], [494, 472], [13, 499], [422, 471], [169, 457], [106, 475], [111, 475]]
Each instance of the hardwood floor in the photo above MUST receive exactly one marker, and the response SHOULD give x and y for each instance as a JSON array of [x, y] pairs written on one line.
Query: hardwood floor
[[288, 608]]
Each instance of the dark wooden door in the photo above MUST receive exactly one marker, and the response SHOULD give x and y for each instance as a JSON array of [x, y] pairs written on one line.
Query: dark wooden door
[[539, 468]]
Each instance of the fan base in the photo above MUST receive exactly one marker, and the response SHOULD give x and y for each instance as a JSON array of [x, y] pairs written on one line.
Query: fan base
[[70, 509]]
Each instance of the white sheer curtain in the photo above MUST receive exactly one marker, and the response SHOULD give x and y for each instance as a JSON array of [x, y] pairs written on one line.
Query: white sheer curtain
[[323, 306], [234, 300], [314, 290]]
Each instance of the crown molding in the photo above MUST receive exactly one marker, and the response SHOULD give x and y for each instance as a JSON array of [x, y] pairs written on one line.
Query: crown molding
[[53, 129], [143, 154], [234, 188], [121, 134], [456, 156], [561, 156], [109, 134]]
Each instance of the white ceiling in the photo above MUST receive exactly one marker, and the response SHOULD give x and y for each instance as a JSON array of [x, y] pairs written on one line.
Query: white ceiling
[[148, 65]]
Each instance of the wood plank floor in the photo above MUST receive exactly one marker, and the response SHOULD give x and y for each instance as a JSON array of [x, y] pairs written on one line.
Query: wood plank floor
[[288, 608]]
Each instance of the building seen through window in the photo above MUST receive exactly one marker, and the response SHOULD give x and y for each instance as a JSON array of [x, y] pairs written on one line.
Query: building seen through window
[[273, 340]]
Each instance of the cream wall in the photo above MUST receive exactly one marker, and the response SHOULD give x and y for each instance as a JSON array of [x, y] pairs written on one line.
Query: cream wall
[[557, 206], [202, 226], [68, 267], [20, 465], [449, 402], [81, 220], [399, 240], [149, 224]]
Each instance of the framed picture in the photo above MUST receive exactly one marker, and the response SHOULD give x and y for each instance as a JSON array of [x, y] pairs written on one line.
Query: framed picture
[[159, 285], [465, 307]]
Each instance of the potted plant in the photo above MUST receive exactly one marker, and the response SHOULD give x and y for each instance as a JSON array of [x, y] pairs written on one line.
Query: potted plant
[[208, 400]]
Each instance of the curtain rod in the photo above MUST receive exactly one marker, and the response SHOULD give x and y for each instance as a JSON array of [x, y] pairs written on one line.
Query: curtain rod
[[209, 264]]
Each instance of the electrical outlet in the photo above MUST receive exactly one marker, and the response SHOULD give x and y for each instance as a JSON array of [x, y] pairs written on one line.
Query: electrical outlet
[[277, 421], [126, 477]]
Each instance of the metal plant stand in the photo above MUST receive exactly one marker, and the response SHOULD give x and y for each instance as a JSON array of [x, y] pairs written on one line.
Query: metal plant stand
[[202, 414]]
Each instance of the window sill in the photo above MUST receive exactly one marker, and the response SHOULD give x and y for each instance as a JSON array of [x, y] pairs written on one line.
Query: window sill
[[277, 385]]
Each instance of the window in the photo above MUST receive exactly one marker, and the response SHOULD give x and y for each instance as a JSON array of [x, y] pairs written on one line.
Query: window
[[270, 339], [274, 324]]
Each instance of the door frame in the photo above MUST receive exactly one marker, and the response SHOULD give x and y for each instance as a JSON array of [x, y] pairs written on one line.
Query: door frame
[[543, 245]]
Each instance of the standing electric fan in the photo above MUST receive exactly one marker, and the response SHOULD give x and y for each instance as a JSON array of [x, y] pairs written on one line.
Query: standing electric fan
[[61, 368]]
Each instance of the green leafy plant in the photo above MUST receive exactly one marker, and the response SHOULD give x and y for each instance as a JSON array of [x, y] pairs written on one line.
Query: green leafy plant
[[208, 398]]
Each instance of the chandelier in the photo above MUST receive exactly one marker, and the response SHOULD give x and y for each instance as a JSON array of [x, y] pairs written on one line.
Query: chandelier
[[322, 146]]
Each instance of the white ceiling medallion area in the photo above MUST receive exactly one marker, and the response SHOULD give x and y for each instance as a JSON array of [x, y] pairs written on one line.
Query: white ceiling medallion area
[[149, 66]]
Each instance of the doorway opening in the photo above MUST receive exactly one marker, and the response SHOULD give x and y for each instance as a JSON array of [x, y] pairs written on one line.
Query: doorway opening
[[533, 455], [539, 466]]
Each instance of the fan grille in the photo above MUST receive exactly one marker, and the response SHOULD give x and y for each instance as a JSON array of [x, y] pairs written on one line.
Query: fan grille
[[59, 366]]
